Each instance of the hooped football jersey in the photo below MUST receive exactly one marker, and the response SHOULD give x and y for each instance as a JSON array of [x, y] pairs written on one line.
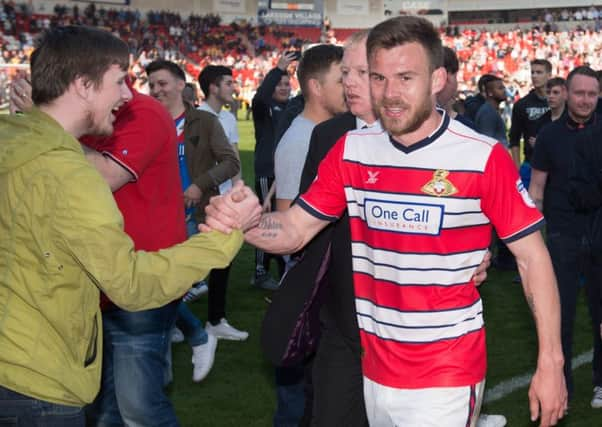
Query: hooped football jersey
[[420, 219]]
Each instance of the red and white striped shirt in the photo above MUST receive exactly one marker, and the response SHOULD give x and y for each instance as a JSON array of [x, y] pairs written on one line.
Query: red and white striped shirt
[[420, 219]]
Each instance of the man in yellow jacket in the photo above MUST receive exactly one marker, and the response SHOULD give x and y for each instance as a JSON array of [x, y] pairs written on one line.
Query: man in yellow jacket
[[61, 234]]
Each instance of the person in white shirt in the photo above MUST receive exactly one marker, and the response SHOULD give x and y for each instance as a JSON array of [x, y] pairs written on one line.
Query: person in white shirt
[[217, 86]]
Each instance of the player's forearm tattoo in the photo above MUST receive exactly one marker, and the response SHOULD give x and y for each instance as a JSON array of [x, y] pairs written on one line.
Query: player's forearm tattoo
[[269, 226]]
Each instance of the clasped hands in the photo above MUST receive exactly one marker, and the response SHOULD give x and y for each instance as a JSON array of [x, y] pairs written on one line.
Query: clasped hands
[[238, 209]]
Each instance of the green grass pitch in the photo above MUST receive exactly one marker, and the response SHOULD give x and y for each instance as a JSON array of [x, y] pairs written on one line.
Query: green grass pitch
[[239, 390]]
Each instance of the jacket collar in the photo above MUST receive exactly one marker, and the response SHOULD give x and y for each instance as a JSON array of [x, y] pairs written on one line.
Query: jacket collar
[[573, 125], [190, 115]]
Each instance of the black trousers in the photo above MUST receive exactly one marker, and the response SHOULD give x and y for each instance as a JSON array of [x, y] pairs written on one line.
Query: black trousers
[[338, 391], [218, 286], [573, 261], [262, 259]]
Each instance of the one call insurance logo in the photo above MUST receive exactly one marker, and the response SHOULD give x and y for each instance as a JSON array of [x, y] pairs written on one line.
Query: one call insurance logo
[[404, 217]]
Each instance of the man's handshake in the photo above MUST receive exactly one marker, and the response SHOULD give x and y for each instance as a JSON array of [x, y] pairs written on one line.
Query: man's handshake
[[238, 209]]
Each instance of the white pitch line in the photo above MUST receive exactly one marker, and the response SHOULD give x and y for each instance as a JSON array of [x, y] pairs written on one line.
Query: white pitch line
[[504, 388]]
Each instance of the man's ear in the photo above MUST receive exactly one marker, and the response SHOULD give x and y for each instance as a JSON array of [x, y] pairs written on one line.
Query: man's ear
[[438, 79], [180, 84], [83, 87], [213, 88], [315, 87]]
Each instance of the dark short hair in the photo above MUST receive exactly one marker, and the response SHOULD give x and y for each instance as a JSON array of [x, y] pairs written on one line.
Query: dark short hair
[[543, 62], [484, 81], [490, 80], [161, 64], [450, 60], [407, 29], [555, 81], [581, 71], [315, 62], [64, 54], [599, 73], [212, 75]]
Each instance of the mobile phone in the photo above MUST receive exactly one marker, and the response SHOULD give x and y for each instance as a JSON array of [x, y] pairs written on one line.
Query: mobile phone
[[295, 54]]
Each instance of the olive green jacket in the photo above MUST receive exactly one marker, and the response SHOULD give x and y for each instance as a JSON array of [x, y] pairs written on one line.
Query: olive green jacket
[[61, 242]]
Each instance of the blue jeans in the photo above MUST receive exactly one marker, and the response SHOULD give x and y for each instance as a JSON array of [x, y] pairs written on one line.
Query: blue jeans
[[290, 396], [17, 410], [190, 326], [192, 227], [134, 369]]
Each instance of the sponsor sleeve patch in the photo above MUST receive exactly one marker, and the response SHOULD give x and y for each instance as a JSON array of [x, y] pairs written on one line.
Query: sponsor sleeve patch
[[522, 190]]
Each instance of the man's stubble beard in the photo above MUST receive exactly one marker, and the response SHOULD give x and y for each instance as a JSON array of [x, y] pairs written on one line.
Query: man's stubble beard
[[414, 122], [95, 129]]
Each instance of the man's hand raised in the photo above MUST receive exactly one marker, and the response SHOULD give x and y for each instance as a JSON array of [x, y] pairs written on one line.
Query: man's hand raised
[[20, 96], [286, 59]]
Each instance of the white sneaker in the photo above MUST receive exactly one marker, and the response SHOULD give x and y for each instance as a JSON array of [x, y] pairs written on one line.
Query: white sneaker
[[597, 399], [202, 358], [177, 336], [225, 331], [491, 420]]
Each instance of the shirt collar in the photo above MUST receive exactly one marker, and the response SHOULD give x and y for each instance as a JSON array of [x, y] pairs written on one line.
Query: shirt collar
[[572, 124], [206, 107], [361, 124], [429, 139]]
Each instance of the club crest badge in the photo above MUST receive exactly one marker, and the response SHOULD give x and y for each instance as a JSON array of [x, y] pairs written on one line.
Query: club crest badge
[[439, 186]]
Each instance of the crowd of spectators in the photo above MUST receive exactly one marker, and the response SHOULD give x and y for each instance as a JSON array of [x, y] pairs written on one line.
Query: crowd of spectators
[[576, 14], [507, 54], [193, 42], [554, 19], [253, 50]]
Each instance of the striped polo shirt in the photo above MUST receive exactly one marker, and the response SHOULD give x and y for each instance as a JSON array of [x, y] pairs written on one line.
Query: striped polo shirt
[[420, 219]]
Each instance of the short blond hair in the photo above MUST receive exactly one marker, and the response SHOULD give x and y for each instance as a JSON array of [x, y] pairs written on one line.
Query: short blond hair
[[358, 37]]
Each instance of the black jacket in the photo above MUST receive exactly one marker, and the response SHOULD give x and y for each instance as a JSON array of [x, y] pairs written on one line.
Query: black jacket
[[320, 284], [266, 114], [585, 183], [528, 117], [339, 306], [472, 105]]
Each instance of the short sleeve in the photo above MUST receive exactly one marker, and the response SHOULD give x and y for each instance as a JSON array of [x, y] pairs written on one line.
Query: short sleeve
[[541, 158], [325, 199], [505, 199], [585, 175], [137, 139], [233, 134], [288, 165]]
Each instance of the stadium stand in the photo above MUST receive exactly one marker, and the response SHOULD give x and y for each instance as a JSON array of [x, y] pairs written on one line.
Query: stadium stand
[[252, 50]]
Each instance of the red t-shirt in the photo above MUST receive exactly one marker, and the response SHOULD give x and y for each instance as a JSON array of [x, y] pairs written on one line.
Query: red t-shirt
[[144, 143]]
